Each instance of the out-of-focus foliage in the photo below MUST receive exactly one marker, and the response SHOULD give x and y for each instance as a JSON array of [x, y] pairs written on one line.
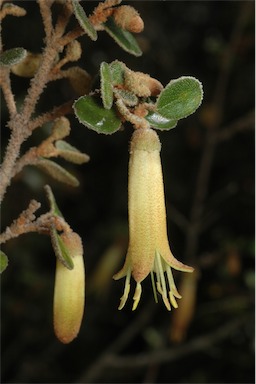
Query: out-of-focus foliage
[[180, 39]]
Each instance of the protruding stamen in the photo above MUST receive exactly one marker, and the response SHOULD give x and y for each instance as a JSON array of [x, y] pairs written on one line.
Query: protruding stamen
[[153, 286], [173, 300], [161, 284], [172, 285], [136, 296], [126, 290]]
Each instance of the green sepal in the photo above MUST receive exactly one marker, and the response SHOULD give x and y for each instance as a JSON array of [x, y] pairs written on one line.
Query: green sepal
[[160, 122], [123, 38], [92, 114], [180, 98], [83, 20], [70, 153], [12, 56], [52, 202], [106, 85], [117, 69], [61, 251], [3, 261], [57, 172]]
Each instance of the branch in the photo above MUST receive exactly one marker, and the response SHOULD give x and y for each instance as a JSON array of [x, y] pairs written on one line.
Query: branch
[[7, 91], [56, 112], [45, 9], [22, 224], [244, 123], [124, 338], [198, 344]]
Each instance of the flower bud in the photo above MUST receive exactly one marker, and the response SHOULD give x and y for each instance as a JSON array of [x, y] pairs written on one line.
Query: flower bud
[[69, 291], [74, 50], [126, 17], [29, 66]]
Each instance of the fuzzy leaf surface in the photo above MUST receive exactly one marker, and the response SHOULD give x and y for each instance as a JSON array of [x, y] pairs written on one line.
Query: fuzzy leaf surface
[[57, 172], [160, 122], [60, 250], [94, 116], [123, 38], [70, 153], [180, 98], [12, 56], [106, 85], [3, 261], [83, 20]]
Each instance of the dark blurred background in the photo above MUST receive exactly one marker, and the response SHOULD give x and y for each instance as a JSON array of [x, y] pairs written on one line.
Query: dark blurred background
[[208, 165]]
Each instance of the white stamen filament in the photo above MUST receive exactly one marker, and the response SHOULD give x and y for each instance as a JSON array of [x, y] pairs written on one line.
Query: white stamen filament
[[126, 290], [161, 285], [172, 285], [137, 296]]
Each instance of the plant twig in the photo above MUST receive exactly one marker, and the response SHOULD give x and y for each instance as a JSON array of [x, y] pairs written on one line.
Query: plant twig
[[56, 112], [200, 343], [7, 91], [124, 338], [244, 123]]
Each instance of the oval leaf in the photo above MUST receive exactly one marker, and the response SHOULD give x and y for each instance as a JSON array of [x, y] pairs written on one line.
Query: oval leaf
[[12, 57], [180, 98], [70, 153], [95, 117], [123, 38], [106, 85], [61, 251], [160, 122], [3, 261], [57, 172], [84, 21]]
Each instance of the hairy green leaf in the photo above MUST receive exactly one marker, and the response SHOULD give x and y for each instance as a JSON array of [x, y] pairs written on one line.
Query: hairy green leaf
[[52, 202], [123, 38], [160, 122], [3, 261], [12, 56], [94, 116], [61, 251], [129, 98], [117, 69], [106, 85], [83, 20], [180, 98], [57, 172], [70, 153]]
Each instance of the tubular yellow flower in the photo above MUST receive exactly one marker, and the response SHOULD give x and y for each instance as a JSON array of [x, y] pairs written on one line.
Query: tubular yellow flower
[[149, 249], [69, 292]]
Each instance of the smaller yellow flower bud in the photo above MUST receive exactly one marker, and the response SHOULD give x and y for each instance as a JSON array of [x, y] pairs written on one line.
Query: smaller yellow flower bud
[[73, 50], [69, 291], [29, 66]]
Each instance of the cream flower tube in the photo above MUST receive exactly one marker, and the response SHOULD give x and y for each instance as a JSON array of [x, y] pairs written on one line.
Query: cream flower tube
[[148, 249], [69, 291]]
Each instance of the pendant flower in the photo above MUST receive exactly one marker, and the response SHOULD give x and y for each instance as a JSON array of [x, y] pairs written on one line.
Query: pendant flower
[[148, 251]]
